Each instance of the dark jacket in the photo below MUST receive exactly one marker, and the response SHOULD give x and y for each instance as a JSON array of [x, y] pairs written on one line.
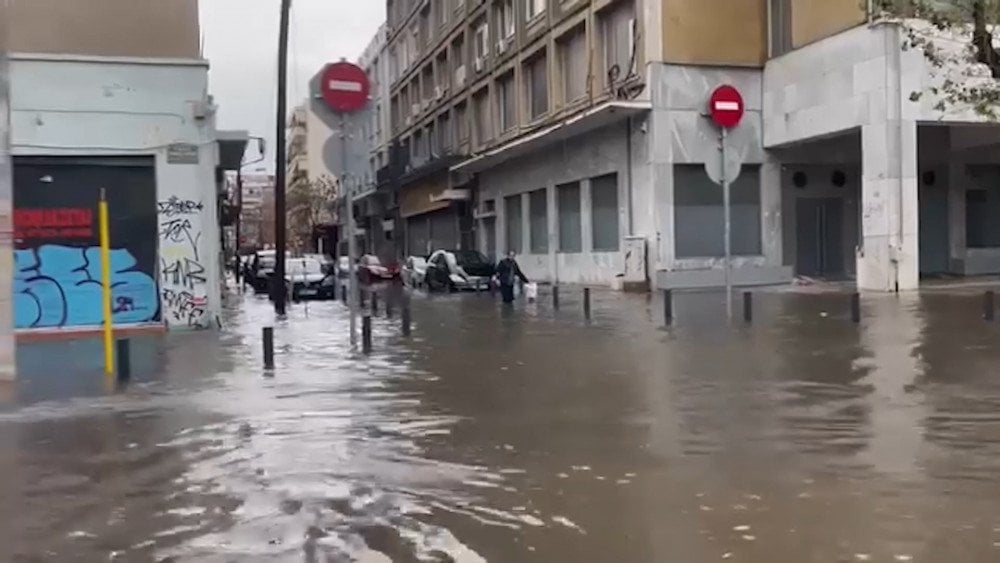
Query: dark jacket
[[508, 270]]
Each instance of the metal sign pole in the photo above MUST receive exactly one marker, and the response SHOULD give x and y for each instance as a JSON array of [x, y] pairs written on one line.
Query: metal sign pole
[[352, 242], [727, 211]]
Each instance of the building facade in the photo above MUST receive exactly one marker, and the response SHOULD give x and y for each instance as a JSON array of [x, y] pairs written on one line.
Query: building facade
[[112, 96], [575, 134], [256, 218]]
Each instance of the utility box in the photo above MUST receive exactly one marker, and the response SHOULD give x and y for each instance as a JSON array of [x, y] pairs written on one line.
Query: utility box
[[636, 275]]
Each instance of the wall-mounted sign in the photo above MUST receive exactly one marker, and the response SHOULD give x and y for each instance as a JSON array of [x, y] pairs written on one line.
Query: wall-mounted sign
[[182, 153]]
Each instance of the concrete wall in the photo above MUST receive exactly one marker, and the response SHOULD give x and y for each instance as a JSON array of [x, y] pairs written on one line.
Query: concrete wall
[[123, 28], [815, 19], [108, 107], [681, 134], [579, 159], [7, 356], [715, 32]]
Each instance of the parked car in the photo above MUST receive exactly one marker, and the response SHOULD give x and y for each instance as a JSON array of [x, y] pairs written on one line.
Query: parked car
[[261, 268], [414, 271], [328, 265], [370, 269], [308, 280], [453, 270]]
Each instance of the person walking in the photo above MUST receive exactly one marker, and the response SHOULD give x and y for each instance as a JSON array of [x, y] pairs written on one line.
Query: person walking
[[507, 273]]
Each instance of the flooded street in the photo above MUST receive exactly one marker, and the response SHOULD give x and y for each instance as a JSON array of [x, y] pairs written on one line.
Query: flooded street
[[523, 435]]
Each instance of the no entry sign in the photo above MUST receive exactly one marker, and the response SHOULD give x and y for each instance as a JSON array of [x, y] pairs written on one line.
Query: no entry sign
[[345, 87], [726, 107]]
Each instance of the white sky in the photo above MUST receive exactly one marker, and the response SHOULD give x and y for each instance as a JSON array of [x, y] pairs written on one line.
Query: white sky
[[241, 41]]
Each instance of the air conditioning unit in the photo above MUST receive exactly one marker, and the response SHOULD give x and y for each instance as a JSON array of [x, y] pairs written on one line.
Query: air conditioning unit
[[478, 64], [415, 109], [438, 92], [501, 45], [460, 75]]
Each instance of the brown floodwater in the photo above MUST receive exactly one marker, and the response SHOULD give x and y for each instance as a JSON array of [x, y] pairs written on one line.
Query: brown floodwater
[[521, 435]]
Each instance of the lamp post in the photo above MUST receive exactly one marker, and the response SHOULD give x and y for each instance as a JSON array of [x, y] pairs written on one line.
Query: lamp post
[[278, 292]]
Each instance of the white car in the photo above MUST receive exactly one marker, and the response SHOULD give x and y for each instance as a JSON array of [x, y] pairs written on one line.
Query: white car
[[414, 271]]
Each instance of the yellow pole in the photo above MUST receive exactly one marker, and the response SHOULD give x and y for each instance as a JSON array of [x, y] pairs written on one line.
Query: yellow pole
[[109, 348]]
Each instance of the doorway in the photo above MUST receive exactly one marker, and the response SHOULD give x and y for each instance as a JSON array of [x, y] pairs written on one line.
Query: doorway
[[820, 236]]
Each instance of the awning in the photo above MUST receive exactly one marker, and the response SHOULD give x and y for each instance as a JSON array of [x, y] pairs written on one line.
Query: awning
[[424, 196], [232, 145], [590, 120]]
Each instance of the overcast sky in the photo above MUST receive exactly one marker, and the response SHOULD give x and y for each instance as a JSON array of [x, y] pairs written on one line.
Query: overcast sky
[[241, 41]]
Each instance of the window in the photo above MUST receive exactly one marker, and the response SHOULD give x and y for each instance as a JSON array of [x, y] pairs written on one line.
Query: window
[[573, 58], [533, 8], [604, 212], [506, 107], [568, 207], [480, 105], [699, 218], [537, 86], [444, 131], [458, 62], [461, 123], [618, 36], [425, 29], [512, 218], [780, 13], [441, 7], [982, 203], [504, 17], [481, 45], [427, 83], [538, 212]]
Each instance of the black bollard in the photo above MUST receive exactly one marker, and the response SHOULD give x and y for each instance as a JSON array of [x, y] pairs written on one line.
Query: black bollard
[[748, 306], [374, 306], [668, 307], [366, 334], [268, 336], [343, 293], [406, 319], [988, 305], [586, 302], [555, 296], [388, 307], [361, 297], [856, 307], [124, 359]]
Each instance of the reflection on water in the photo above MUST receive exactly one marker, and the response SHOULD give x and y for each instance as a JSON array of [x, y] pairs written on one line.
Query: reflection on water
[[524, 435]]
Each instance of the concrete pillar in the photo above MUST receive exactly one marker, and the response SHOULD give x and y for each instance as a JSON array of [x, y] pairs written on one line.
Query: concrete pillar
[[770, 211], [888, 256], [553, 226], [525, 224], [662, 172], [586, 219], [956, 216]]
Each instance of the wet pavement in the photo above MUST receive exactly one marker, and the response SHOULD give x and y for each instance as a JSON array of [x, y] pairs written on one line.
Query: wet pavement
[[521, 435]]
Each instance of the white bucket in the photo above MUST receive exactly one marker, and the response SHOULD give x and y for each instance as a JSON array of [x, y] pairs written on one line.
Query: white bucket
[[531, 292]]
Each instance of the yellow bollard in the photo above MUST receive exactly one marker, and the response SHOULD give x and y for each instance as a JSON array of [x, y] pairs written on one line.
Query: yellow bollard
[[109, 348]]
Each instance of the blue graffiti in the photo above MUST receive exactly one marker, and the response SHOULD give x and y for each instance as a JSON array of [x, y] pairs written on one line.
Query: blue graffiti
[[60, 286]]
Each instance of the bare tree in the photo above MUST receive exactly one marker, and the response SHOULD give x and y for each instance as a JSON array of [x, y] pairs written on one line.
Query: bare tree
[[957, 38], [309, 205]]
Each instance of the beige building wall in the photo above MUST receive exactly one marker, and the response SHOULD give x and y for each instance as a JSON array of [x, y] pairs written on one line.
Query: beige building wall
[[116, 28], [813, 20], [715, 32]]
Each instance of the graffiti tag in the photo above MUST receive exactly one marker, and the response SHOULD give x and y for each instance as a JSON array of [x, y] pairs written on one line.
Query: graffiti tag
[[184, 307], [180, 231], [175, 206], [185, 272]]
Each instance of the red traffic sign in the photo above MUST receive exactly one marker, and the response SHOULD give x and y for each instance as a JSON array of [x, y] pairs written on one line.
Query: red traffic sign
[[726, 106], [345, 87]]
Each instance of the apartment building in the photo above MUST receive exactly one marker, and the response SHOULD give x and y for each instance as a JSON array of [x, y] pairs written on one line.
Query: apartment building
[[309, 177], [574, 133], [257, 213], [376, 207], [112, 96]]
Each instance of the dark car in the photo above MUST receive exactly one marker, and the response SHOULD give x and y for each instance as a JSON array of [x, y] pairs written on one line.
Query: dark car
[[453, 270]]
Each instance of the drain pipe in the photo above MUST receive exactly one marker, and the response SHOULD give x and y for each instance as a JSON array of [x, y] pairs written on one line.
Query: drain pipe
[[628, 176]]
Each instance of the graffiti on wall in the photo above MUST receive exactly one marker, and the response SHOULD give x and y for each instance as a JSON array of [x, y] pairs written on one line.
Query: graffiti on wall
[[57, 261], [183, 279], [56, 286]]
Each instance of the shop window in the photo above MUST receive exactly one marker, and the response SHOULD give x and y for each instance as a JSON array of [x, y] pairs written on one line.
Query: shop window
[[699, 217], [538, 209], [570, 229], [604, 212], [512, 218]]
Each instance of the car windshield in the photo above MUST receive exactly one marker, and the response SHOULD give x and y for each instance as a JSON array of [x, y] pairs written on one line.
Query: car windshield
[[304, 266], [371, 261], [470, 258], [267, 262]]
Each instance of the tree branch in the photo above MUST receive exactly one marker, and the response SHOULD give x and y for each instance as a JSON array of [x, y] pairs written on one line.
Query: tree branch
[[982, 39]]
